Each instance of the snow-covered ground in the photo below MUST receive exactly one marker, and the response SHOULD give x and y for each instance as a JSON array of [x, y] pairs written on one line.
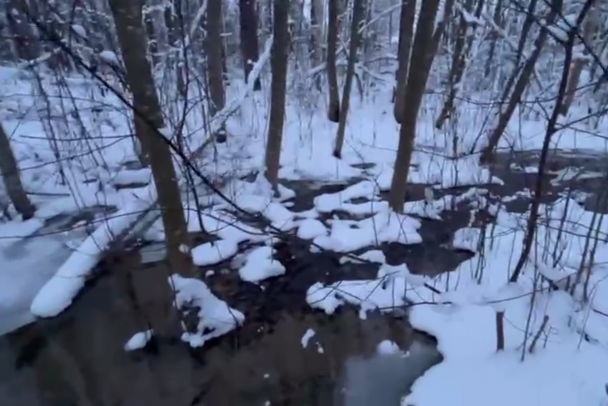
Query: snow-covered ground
[[566, 364]]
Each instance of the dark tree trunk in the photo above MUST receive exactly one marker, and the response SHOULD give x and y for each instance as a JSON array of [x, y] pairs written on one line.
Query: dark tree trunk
[[132, 39], [278, 61], [333, 110], [249, 37], [12, 179]]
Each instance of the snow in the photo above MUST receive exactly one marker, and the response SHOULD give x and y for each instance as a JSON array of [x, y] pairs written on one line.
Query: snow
[[385, 226], [139, 340], [216, 318], [309, 229], [567, 366], [260, 265], [79, 30], [25, 266], [59, 292], [387, 347], [310, 333], [213, 252], [562, 368], [109, 57], [385, 293]]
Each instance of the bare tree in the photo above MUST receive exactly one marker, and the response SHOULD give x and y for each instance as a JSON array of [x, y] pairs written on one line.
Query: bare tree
[[406, 29], [522, 82], [25, 42], [416, 84], [355, 40], [249, 37], [316, 39], [497, 18], [532, 223], [333, 110], [12, 178], [462, 47], [131, 37], [579, 61], [278, 62], [213, 48]]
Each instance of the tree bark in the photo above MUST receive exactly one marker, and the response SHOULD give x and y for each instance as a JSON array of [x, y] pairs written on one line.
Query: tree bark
[[532, 223], [355, 40], [213, 48], [522, 82], [406, 28], [12, 178], [579, 63], [333, 110], [494, 37], [25, 41], [316, 39], [278, 61], [416, 84], [132, 40], [462, 47], [249, 37]]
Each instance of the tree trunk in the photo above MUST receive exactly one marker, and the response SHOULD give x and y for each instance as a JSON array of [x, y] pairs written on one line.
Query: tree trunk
[[25, 41], [493, 36], [525, 30], [406, 29], [249, 37], [12, 179], [436, 39], [355, 40], [416, 84], [132, 40], [532, 223], [333, 110], [278, 63], [524, 78], [579, 63], [213, 49], [316, 40], [462, 46], [519, 53]]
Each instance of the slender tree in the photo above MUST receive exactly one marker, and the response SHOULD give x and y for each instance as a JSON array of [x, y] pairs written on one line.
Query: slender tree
[[279, 58], [249, 37], [416, 85], [462, 46], [523, 80], [12, 178], [355, 41], [213, 48], [333, 110], [589, 29], [25, 42], [132, 40], [406, 29]]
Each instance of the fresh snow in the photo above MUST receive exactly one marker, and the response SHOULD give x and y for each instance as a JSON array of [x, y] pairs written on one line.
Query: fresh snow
[[41, 275], [309, 229], [387, 347], [139, 340], [59, 292], [213, 252], [308, 335], [216, 318], [260, 265]]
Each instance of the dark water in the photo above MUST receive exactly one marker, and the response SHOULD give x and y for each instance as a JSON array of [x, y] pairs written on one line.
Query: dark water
[[77, 359]]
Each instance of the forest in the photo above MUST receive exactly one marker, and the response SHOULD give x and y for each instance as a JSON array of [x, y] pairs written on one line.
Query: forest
[[289, 202]]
